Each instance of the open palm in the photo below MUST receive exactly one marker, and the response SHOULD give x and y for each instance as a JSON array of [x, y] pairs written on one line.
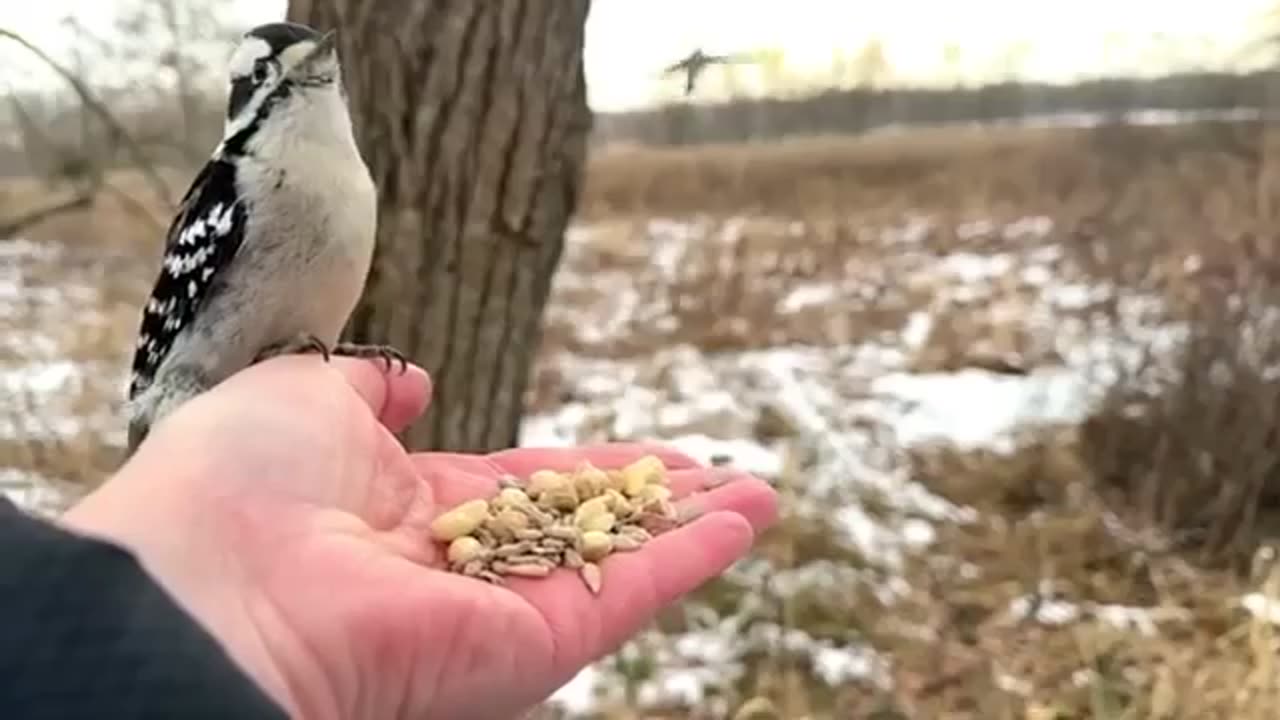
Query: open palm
[[340, 605]]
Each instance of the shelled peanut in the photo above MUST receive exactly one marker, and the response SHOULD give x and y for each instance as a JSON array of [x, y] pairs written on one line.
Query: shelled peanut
[[572, 520]]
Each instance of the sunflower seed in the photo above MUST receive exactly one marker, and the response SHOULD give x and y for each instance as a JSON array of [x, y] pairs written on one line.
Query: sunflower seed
[[572, 520], [595, 545], [465, 549], [592, 577], [461, 520], [523, 570]]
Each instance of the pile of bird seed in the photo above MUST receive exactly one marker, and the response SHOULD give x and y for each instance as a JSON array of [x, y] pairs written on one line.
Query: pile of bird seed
[[572, 520]]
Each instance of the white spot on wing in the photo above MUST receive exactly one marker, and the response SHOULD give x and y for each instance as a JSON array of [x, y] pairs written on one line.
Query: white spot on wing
[[221, 218], [178, 264]]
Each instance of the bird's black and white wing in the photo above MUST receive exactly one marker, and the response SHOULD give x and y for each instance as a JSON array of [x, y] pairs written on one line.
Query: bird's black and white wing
[[203, 238]]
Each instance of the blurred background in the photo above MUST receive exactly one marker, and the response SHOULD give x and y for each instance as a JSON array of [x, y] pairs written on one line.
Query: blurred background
[[989, 290]]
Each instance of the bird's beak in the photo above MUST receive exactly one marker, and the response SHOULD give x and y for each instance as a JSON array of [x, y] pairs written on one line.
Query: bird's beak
[[323, 48], [325, 44], [310, 67]]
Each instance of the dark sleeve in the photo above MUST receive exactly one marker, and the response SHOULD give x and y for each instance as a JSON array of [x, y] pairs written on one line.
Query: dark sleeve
[[86, 633]]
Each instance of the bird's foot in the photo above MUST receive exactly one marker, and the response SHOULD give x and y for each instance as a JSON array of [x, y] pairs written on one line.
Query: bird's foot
[[304, 344], [385, 352]]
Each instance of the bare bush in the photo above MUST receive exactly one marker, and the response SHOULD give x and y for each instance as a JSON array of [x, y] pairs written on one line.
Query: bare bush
[[1189, 441]]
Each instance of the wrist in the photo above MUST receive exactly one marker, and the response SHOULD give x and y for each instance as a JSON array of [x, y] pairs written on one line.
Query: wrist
[[171, 520]]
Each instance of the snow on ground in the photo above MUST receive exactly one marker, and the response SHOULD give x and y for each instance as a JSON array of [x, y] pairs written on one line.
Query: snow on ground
[[942, 404], [51, 370], [840, 400], [1144, 117], [33, 492]]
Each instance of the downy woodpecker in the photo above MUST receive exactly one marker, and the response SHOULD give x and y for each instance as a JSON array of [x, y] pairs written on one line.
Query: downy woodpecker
[[272, 243]]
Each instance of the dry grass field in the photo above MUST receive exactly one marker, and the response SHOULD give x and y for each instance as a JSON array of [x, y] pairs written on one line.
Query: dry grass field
[[1017, 388]]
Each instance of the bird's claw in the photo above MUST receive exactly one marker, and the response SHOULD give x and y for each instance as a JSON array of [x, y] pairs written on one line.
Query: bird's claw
[[387, 353], [306, 344], [300, 345]]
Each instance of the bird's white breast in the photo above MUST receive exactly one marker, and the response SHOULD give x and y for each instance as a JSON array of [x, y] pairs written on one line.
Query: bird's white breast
[[315, 234]]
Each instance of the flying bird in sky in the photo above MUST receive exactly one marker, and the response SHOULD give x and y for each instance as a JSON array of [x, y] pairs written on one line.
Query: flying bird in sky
[[696, 62]]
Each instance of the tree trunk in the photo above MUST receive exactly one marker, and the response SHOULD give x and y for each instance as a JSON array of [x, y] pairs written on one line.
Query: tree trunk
[[473, 119]]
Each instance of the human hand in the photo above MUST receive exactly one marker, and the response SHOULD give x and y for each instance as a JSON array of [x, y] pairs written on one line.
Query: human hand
[[280, 510]]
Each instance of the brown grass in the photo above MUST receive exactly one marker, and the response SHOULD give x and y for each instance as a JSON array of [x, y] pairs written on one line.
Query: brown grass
[[1206, 172], [1165, 499]]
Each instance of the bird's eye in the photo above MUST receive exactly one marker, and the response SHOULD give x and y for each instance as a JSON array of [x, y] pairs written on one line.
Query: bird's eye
[[259, 72]]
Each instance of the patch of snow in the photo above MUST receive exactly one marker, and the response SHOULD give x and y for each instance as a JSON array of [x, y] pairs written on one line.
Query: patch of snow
[[1262, 607], [741, 453], [1012, 684], [913, 232], [973, 408], [555, 429], [1082, 119], [838, 665], [39, 378], [916, 332], [23, 249], [1046, 611], [1037, 226], [31, 491], [1075, 296], [806, 296], [975, 229], [1125, 618], [578, 696], [972, 268]]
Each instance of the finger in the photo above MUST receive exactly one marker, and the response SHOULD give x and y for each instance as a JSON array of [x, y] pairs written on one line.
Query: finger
[[695, 480], [635, 586], [523, 462], [396, 398], [675, 563], [748, 497]]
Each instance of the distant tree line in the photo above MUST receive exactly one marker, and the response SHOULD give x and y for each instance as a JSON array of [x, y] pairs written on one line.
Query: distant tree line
[[51, 135], [862, 110]]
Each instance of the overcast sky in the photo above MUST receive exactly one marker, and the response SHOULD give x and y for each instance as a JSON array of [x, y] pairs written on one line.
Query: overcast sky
[[629, 41]]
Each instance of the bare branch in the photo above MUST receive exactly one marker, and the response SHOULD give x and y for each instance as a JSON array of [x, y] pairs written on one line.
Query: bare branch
[[10, 228], [84, 196], [90, 101], [27, 125], [182, 74], [132, 205]]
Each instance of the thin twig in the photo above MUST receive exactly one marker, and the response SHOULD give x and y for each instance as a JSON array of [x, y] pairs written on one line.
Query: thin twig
[[28, 125], [11, 228], [97, 184], [133, 206], [93, 103], [81, 199]]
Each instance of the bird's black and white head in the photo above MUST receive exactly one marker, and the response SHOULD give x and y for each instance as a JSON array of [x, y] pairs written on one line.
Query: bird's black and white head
[[285, 79]]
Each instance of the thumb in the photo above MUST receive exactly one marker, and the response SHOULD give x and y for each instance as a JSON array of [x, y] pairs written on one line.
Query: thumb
[[395, 398]]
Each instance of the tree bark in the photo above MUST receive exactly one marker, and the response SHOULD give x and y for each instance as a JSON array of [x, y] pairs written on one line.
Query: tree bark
[[473, 119]]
